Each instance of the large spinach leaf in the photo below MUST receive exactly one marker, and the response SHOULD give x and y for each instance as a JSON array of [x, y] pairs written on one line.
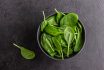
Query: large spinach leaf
[[79, 42], [70, 19], [58, 46], [69, 36], [52, 30], [47, 45]]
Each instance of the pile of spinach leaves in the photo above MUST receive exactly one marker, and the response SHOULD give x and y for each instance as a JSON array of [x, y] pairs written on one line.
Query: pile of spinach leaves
[[61, 35]]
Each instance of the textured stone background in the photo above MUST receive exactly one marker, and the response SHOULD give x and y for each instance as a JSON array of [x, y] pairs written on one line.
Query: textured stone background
[[19, 20]]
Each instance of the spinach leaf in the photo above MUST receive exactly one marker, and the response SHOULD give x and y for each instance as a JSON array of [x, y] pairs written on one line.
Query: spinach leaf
[[60, 38], [58, 46], [51, 20], [47, 45], [69, 36], [52, 30], [27, 54], [63, 43], [44, 23], [65, 51], [70, 19], [62, 28], [78, 44], [49, 37], [59, 15]]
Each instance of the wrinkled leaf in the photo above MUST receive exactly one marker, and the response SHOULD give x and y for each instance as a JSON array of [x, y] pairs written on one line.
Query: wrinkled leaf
[[47, 45], [60, 38], [58, 46], [78, 44]]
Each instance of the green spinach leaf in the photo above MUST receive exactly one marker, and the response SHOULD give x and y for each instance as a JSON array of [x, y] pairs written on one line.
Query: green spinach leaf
[[69, 36], [51, 20], [58, 46], [70, 19], [52, 30], [65, 52], [59, 15], [47, 45], [27, 54], [44, 23], [78, 44]]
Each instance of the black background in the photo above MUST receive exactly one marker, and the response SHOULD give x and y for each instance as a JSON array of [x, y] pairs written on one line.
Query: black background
[[19, 20]]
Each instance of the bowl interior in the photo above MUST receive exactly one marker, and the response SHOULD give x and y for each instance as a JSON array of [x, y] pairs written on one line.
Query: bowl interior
[[55, 58]]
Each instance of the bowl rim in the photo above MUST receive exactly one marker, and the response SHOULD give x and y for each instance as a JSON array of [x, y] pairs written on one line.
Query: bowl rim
[[38, 35]]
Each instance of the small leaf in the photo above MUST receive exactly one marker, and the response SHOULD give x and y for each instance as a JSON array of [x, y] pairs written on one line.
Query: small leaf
[[44, 23], [51, 20], [59, 15], [27, 54]]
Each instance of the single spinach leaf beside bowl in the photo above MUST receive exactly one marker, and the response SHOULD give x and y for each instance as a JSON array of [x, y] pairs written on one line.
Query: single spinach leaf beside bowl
[[27, 54]]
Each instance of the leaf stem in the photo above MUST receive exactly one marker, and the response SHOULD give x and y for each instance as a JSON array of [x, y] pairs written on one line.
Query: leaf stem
[[17, 46], [44, 15], [56, 10], [62, 54]]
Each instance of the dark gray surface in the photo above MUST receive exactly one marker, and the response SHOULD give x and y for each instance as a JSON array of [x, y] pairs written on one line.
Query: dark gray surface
[[19, 20]]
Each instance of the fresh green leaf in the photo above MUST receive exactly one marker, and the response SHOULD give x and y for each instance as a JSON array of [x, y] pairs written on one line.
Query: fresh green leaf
[[60, 38], [70, 19], [44, 23], [49, 37], [27, 54], [59, 15], [78, 44], [62, 28], [52, 30], [69, 36], [65, 51], [51, 20], [63, 43], [58, 46], [47, 45]]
